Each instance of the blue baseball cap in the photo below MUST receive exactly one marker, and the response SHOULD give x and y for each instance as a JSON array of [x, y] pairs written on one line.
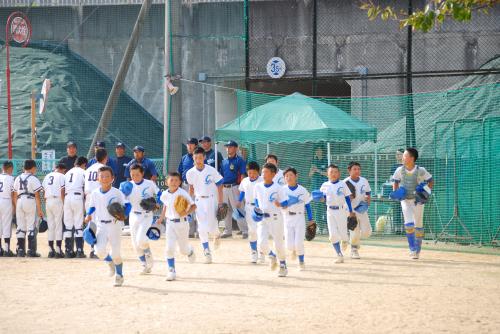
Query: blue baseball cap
[[100, 144], [192, 141], [231, 143], [205, 138], [70, 143], [120, 144], [138, 148]]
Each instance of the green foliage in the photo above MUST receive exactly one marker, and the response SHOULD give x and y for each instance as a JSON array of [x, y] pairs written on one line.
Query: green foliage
[[434, 13]]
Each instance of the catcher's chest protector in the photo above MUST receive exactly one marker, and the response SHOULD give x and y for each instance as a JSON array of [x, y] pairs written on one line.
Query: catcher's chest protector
[[409, 181]]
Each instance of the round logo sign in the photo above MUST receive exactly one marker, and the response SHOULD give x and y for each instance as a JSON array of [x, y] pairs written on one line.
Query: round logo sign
[[276, 67], [19, 30]]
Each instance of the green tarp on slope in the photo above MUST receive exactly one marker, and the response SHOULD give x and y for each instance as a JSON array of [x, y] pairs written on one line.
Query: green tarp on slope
[[75, 103], [295, 118]]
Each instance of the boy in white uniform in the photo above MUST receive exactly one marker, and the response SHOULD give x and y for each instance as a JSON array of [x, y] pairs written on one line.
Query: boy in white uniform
[[360, 201], [7, 207], [336, 195], [109, 229], [247, 202], [269, 198], [293, 215], [74, 181], [27, 189], [177, 225], [53, 188], [140, 220], [279, 178], [205, 183], [409, 180]]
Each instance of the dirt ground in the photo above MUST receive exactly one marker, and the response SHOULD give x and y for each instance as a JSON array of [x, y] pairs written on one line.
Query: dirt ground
[[384, 292]]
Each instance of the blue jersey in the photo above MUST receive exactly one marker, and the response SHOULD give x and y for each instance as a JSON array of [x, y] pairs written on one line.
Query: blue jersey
[[210, 159], [121, 165], [147, 164], [233, 169], [111, 163], [186, 164]]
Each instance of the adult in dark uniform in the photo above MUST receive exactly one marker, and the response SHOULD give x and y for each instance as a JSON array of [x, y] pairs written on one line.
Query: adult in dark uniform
[[150, 172], [121, 164], [69, 160], [186, 164], [233, 169], [206, 143], [110, 162]]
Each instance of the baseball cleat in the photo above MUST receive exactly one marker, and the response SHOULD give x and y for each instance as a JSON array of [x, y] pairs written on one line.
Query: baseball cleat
[[217, 242], [354, 254], [8, 253], [302, 266], [69, 254], [244, 236], [32, 253], [149, 261], [92, 255], [145, 270], [80, 255], [112, 269], [274, 262], [413, 255], [21, 253], [226, 235], [59, 255], [340, 259], [51, 255], [1, 251], [118, 280], [255, 256], [262, 258], [283, 271], [192, 257], [171, 274], [208, 256]]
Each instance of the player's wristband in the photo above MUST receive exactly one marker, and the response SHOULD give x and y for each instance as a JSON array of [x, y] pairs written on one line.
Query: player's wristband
[[242, 196], [309, 211], [128, 208], [91, 211]]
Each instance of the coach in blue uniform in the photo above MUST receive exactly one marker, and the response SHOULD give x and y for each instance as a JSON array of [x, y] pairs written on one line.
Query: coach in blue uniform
[[150, 172], [233, 169], [186, 164], [69, 160], [111, 163], [206, 143], [121, 164]]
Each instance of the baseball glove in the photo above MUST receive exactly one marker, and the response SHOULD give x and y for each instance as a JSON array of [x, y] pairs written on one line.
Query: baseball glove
[[181, 204], [352, 222], [311, 231], [148, 204], [222, 210], [352, 188], [117, 211]]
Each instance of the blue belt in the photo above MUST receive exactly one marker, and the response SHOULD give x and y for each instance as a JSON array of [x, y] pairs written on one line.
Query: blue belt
[[138, 212], [106, 221], [333, 207]]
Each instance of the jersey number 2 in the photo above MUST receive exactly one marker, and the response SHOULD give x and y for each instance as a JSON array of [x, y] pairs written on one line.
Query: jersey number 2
[[1, 187]]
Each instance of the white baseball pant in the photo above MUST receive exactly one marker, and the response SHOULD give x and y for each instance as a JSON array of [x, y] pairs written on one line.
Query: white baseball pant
[[177, 233], [251, 224], [363, 230], [109, 232], [54, 210], [271, 226], [206, 209], [412, 212], [73, 215], [25, 216], [140, 222], [5, 217], [295, 232], [337, 225], [230, 196]]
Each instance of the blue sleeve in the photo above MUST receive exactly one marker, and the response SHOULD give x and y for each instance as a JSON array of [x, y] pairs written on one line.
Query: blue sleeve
[[221, 165], [242, 196], [220, 182], [179, 168], [158, 196], [152, 168], [348, 201], [127, 171], [90, 211], [243, 166], [284, 203], [128, 208], [256, 203], [309, 211]]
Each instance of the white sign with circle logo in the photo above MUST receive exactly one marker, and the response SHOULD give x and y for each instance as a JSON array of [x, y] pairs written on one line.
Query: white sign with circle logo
[[276, 67]]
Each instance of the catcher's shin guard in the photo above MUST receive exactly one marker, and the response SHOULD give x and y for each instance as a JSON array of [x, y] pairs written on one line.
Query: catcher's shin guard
[[410, 235], [419, 236]]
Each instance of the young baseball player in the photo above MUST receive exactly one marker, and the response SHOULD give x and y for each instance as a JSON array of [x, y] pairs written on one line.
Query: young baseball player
[[336, 195], [360, 201], [269, 198], [140, 220], [293, 215], [205, 183], [409, 180], [109, 229], [177, 231], [91, 182], [7, 207], [27, 189], [279, 178], [53, 188], [74, 182], [247, 202]]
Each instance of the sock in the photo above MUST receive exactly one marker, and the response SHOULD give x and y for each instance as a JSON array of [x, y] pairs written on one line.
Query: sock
[[272, 254], [419, 235], [410, 235], [301, 258], [205, 245], [253, 245], [51, 245], [7, 244], [108, 258], [59, 244], [79, 243], [21, 243], [283, 263], [171, 263], [68, 244], [142, 258], [119, 269], [336, 246]]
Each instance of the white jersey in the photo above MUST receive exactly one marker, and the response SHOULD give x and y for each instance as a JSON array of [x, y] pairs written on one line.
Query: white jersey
[[52, 184], [74, 180], [27, 183], [168, 199], [100, 202], [335, 192], [91, 174], [279, 178], [145, 189], [6, 186], [302, 194], [266, 195], [362, 190], [248, 187], [203, 181]]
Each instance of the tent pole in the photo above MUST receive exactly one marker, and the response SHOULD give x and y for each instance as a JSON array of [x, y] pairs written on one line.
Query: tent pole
[[267, 148], [376, 179], [216, 155], [328, 152]]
